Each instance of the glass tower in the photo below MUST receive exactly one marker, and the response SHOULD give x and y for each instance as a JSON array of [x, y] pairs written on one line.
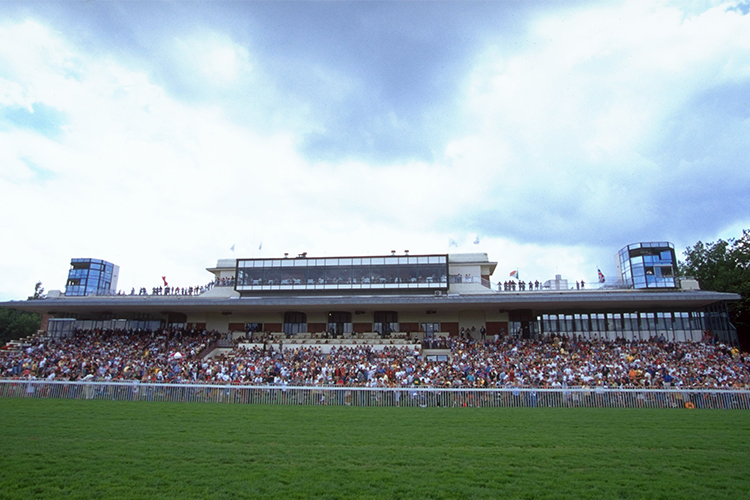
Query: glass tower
[[92, 277], [648, 265]]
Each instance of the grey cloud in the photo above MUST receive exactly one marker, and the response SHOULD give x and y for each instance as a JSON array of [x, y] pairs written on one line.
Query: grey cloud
[[405, 59]]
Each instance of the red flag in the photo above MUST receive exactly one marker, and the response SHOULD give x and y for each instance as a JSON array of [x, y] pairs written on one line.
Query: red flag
[[164, 279]]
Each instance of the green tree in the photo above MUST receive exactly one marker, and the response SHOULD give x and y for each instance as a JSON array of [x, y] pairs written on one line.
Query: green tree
[[38, 291], [16, 324], [724, 266]]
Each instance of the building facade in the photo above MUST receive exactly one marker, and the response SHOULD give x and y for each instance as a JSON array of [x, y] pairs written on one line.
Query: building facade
[[401, 296]]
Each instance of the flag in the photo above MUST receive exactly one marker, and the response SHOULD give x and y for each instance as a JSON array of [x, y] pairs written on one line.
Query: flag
[[232, 248], [601, 276], [476, 240], [260, 246], [452, 243], [164, 279], [514, 274]]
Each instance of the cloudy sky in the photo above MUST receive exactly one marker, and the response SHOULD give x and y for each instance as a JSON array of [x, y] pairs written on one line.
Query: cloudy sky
[[157, 135]]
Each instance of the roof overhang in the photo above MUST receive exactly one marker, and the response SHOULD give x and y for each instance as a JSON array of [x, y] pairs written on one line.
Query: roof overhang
[[539, 302]]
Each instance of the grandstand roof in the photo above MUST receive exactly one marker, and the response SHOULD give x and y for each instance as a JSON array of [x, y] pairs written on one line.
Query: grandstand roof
[[536, 300]]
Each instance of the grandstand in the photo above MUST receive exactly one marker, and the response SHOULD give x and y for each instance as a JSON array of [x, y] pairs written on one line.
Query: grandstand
[[396, 297], [385, 324]]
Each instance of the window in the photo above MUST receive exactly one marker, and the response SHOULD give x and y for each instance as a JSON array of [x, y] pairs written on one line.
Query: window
[[386, 322], [339, 322], [294, 323], [429, 329], [428, 272], [253, 327]]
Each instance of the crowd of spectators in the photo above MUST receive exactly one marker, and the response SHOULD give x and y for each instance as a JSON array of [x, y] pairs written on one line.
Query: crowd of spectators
[[523, 286], [177, 290], [106, 355], [552, 362], [512, 286]]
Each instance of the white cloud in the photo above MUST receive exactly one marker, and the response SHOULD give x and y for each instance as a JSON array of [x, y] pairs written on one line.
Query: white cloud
[[213, 57], [163, 187], [562, 141], [576, 120]]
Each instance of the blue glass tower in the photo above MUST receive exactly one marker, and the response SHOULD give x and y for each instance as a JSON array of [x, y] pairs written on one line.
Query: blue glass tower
[[92, 277], [648, 265]]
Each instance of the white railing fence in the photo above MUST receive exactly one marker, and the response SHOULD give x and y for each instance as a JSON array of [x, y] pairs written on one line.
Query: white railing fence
[[360, 396]]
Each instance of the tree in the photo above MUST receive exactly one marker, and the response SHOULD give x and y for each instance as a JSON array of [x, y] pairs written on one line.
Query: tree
[[16, 324], [38, 291], [724, 266]]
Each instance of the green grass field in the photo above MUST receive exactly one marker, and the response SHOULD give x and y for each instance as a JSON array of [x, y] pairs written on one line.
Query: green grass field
[[104, 449]]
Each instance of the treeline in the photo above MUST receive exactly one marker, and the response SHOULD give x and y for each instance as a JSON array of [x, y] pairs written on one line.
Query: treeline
[[724, 266], [15, 324]]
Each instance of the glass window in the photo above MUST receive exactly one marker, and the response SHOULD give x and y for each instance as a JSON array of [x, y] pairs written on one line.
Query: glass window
[[390, 274], [383, 272], [339, 322], [292, 276], [361, 275], [272, 276], [661, 323], [253, 327], [386, 322], [406, 275], [568, 323], [294, 323], [316, 276], [252, 276], [339, 275]]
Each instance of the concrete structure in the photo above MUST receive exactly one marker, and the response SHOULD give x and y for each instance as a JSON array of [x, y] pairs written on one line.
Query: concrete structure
[[395, 297]]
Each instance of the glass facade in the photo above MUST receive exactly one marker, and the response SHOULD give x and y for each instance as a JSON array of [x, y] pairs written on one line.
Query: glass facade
[[65, 327], [648, 265], [427, 272], [91, 277], [672, 325]]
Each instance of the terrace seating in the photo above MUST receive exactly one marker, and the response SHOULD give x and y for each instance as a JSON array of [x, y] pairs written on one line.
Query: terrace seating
[[548, 362]]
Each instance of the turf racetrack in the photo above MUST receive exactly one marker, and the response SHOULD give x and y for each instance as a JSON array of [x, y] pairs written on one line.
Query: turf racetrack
[[104, 449]]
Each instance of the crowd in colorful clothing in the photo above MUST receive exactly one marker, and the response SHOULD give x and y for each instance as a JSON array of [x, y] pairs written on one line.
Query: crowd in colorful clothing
[[551, 362]]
